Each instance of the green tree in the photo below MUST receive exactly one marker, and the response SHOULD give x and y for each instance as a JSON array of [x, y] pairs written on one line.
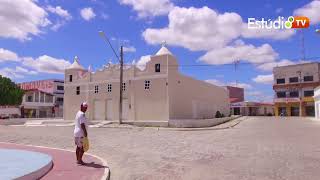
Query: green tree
[[10, 93]]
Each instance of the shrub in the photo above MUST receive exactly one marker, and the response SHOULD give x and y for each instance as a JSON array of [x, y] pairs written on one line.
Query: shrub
[[218, 114]]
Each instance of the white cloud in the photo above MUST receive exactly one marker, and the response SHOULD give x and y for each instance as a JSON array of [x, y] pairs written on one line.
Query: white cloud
[[310, 10], [104, 16], [129, 49], [141, 64], [60, 12], [25, 71], [250, 92], [279, 10], [269, 66], [87, 13], [285, 62], [20, 19], [220, 83], [58, 25], [264, 79], [240, 85], [215, 82], [17, 73], [258, 96], [42, 64], [249, 53], [147, 8], [6, 55], [200, 29], [46, 64], [10, 73], [196, 29]]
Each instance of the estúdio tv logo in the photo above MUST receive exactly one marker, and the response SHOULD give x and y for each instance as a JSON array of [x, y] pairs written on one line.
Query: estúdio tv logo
[[279, 23]]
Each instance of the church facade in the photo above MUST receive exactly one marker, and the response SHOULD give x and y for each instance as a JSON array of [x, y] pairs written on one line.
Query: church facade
[[157, 93]]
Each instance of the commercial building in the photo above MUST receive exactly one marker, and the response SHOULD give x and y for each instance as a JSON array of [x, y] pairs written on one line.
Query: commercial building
[[317, 102], [252, 108], [294, 89], [42, 98], [157, 93], [246, 108]]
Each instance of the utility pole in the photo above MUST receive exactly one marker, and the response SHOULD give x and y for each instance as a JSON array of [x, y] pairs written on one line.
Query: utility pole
[[300, 93], [121, 84], [102, 34], [303, 58]]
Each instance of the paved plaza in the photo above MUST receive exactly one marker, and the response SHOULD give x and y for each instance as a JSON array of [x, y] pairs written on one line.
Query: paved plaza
[[257, 148]]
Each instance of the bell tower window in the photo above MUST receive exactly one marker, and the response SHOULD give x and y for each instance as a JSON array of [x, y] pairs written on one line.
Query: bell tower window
[[157, 67]]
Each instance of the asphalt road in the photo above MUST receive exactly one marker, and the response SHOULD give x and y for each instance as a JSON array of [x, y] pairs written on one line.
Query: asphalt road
[[258, 148]]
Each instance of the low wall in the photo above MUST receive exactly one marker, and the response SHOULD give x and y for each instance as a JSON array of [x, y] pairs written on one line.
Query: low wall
[[12, 121], [8, 111], [199, 123]]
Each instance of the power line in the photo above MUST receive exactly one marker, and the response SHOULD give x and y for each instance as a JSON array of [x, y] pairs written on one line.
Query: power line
[[238, 63]]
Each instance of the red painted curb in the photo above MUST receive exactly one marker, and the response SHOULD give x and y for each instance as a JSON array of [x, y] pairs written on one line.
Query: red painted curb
[[64, 164]]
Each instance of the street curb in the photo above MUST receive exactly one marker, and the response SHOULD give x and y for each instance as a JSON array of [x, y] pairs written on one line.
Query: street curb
[[186, 129], [207, 128], [106, 175]]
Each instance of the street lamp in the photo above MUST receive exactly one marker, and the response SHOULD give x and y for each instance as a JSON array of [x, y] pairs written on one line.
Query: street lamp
[[103, 35]]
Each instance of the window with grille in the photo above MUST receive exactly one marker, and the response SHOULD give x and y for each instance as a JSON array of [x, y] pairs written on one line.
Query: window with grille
[[281, 81], [308, 78], [281, 94], [293, 79], [78, 90], [294, 94], [29, 98], [109, 87], [147, 84], [60, 88], [96, 89], [308, 93], [59, 99], [123, 86]]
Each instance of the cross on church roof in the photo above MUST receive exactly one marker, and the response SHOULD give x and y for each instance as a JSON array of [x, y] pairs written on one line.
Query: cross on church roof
[[163, 43]]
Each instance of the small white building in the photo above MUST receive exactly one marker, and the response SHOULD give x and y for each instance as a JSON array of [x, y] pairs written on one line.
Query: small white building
[[157, 93], [317, 102], [42, 98]]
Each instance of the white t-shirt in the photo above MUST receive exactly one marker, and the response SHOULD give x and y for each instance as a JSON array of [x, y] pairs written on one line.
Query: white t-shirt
[[80, 118]]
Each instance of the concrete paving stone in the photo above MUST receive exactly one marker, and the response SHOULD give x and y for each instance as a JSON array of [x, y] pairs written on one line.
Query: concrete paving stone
[[264, 148]]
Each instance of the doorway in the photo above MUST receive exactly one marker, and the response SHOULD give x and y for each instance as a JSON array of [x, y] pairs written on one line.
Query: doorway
[[295, 111], [99, 107], [109, 110], [310, 111]]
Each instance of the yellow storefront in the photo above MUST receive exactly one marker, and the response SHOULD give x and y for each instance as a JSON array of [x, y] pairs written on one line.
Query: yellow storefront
[[291, 107]]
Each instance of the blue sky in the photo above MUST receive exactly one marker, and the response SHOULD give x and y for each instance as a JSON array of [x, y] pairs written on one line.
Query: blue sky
[[38, 43]]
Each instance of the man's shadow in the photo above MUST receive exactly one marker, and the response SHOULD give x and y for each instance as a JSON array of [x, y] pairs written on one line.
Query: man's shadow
[[94, 165]]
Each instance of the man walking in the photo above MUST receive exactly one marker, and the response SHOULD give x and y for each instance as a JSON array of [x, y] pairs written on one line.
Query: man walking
[[80, 131]]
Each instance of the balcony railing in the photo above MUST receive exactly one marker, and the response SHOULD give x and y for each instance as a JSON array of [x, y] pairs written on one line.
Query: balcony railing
[[43, 104], [286, 100]]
